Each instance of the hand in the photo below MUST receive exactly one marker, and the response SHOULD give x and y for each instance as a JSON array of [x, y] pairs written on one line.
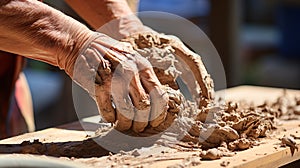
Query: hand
[[112, 72], [156, 46], [130, 29]]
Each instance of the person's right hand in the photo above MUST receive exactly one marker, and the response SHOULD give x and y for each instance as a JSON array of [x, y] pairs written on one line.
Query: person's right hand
[[112, 72], [143, 39]]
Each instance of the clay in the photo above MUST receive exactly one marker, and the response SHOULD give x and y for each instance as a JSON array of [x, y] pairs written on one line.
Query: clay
[[297, 110], [80, 149], [290, 142], [240, 144], [188, 162], [214, 135], [236, 126], [225, 151], [211, 154], [224, 163]]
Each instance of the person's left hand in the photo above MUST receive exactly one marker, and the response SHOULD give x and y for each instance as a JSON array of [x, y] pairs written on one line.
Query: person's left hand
[[123, 77]]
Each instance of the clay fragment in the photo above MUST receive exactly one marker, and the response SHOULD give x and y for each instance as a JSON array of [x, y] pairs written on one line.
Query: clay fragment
[[290, 142], [211, 154], [297, 110], [240, 144], [224, 163]]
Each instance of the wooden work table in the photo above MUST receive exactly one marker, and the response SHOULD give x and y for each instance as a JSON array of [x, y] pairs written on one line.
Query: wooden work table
[[267, 154]]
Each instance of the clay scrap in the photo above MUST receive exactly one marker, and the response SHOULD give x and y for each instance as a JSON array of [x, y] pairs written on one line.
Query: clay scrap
[[290, 142]]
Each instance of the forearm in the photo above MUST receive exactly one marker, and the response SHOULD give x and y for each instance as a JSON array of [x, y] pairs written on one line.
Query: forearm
[[37, 31], [97, 13]]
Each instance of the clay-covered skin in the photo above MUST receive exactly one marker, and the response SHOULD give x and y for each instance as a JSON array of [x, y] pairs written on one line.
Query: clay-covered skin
[[125, 78]]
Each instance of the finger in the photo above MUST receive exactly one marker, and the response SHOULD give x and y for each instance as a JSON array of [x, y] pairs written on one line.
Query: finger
[[158, 97], [113, 44], [106, 41], [96, 62], [93, 57], [197, 67], [124, 106], [92, 72], [84, 75], [103, 83], [104, 102], [188, 80], [141, 102], [113, 56], [175, 100], [173, 106], [123, 47]]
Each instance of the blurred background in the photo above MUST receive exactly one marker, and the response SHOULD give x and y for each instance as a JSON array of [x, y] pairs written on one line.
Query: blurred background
[[258, 41]]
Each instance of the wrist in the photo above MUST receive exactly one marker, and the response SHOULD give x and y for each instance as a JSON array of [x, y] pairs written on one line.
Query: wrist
[[77, 36], [83, 66], [123, 27]]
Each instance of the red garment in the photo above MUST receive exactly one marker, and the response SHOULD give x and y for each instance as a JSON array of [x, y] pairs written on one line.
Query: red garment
[[10, 68]]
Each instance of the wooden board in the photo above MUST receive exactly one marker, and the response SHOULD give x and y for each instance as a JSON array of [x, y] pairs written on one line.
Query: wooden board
[[267, 154]]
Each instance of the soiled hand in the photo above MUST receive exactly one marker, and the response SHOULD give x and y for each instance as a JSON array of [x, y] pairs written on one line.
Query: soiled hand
[[158, 47], [125, 86], [174, 58]]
